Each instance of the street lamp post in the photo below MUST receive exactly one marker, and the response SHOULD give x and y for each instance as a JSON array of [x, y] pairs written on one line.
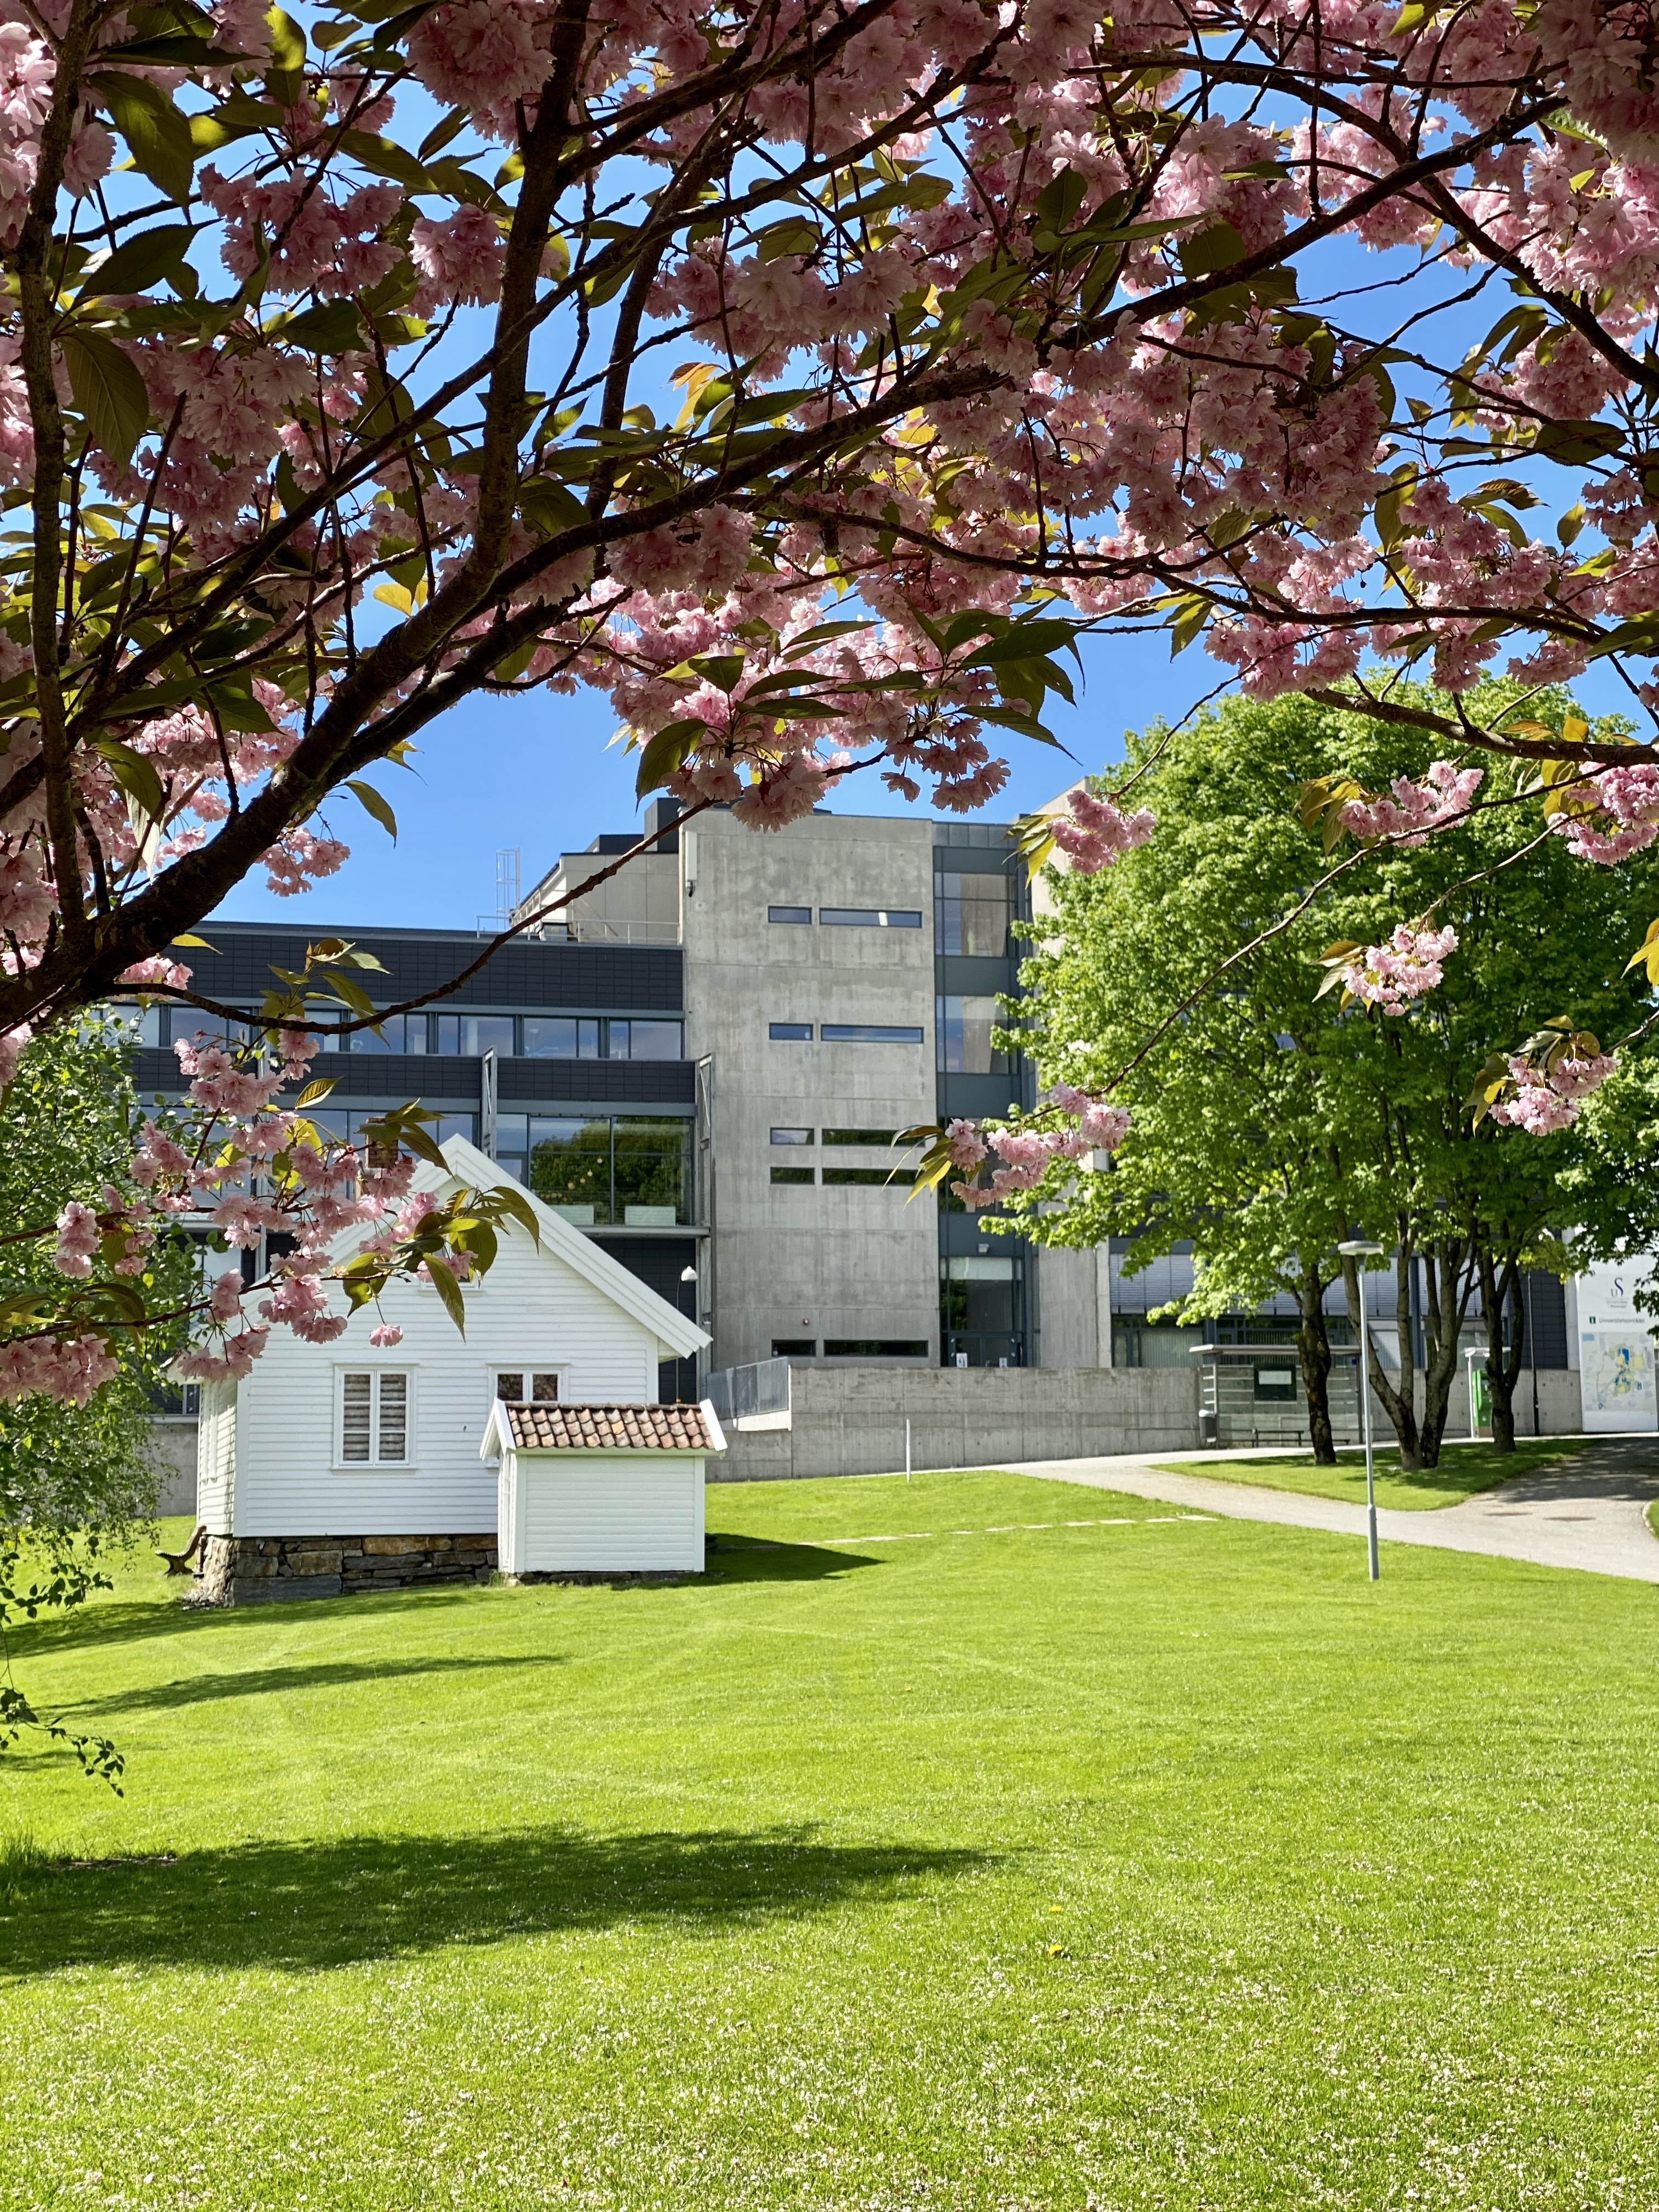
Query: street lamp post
[[1355, 1248]]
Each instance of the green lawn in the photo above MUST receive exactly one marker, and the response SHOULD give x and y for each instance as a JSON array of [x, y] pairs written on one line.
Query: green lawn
[[1464, 1469], [1145, 1864]]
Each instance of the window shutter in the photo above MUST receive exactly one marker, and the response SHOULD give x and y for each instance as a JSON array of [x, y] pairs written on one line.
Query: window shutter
[[394, 1419], [355, 1408]]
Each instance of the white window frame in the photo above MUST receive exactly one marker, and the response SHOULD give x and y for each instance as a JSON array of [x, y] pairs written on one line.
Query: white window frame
[[538, 1366], [376, 1370]]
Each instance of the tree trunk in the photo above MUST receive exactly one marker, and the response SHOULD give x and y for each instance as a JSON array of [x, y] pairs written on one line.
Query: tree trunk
[[1448, 1279], [1315, 1343], [1500, 1286], [1398, 1404]]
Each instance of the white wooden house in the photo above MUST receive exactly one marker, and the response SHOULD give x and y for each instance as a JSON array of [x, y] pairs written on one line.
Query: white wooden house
[[340, 1467], [590, 1489]]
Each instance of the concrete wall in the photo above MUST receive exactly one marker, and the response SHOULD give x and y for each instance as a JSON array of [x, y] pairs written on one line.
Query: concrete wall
[[1560, 1412], [173, 1444], [811, 1263], [851, 1420]]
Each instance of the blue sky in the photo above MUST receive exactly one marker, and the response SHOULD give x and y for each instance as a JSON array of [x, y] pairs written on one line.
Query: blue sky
[[540, 773]]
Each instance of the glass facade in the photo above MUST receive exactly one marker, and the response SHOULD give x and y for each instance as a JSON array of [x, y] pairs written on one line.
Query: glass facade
[[450, 1036], [983, 1310], [964, 1027], [605, 1171], [970, 915]]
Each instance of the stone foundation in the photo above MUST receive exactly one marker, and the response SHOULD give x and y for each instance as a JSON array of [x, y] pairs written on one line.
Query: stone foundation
[[255, 1570]]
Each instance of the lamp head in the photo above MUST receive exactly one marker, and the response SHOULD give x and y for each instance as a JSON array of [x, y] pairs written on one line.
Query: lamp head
[[1356, 1248], [687, 1274]]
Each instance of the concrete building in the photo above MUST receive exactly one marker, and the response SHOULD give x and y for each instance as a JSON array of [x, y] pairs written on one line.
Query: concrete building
[[841, 987], [703, 1065]]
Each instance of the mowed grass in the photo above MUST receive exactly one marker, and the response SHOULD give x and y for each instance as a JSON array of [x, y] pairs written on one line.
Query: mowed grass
[[1465, 1469], [1158, 1863]]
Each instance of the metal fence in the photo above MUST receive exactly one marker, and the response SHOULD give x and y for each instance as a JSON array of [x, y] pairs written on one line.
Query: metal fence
[[761, 1387]]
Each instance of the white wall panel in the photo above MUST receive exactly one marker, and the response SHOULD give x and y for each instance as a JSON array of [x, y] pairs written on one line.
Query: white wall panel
[[614, 1513], [216, 1458], [532, 1309]]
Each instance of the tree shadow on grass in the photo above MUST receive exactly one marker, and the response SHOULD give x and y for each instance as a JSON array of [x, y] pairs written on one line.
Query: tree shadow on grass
[[262, 1681], [142, 1620], [735, 1559], [304, 1906]]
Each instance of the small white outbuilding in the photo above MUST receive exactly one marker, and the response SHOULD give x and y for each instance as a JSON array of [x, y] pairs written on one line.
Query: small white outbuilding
[[347, 1467], [600, 1489]]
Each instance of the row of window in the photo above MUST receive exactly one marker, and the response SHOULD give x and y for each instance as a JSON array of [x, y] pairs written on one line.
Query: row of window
[[835, 1136], [971, 914], [899, 1178], [845, 1033], [963, 1027], [850, 917], [466, 1036], [850, 1347], [374, 1410]]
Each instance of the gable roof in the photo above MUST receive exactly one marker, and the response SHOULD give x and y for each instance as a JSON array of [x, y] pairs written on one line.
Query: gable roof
[[468, 1165], [560, 1426]]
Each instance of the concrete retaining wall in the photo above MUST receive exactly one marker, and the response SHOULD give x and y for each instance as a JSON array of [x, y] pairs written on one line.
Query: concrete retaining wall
[[174, 1447], [850, 1421]]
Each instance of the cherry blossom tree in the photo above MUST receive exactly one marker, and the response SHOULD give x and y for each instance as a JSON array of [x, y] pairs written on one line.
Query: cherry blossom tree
[[807, 375]]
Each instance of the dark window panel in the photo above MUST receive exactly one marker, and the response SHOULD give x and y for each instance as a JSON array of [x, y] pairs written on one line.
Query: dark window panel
[[860, 1136], [870, 917], [868, 1033], [791, 1175], [794, 1347], [899, 1178], [790, 1032], [794, 913], [875, 1347], [791, 1136]]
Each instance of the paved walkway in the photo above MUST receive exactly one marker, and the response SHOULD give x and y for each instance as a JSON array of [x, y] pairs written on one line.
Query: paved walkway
[[1590, 1512]]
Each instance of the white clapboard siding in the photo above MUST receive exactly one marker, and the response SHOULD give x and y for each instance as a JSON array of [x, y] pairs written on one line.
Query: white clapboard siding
[[608, 1513], [216, 1458], [556, 1306]]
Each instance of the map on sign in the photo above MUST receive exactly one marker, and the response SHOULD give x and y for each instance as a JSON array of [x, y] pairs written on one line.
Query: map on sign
[[1617, 1373]]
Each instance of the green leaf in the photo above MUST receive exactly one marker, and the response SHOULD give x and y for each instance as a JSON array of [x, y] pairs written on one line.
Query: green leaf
[[663, 753], [1060, 199], [1024, 641], [158, 136], [315, 1092], [384, 157], [108, 391], [285, 79], [514, 1201], [377, 805], [1577, 443], [139, 261], [449, 1291], [794, 234], [333, 327], [134, 773], [480, 1241], [1217, 247], [1189, 622], [549, 507]]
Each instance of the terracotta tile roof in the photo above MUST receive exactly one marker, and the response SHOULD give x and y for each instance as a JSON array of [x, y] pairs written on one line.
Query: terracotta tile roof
[[560, 1426]]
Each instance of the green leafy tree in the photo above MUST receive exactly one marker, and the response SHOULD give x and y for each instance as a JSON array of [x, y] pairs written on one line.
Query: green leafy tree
[[1268, 1120], [76, 1482]]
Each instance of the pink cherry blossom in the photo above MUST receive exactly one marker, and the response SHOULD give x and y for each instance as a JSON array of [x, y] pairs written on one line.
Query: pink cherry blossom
[[1099, 831], [388, 1335], [1391, 975], [1445, 795]]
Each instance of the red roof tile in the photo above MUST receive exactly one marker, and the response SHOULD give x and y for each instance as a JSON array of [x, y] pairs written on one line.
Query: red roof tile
[[560, 1426]]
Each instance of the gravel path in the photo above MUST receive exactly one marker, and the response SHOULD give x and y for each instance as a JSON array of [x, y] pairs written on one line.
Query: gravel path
[[1590, 1512]]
